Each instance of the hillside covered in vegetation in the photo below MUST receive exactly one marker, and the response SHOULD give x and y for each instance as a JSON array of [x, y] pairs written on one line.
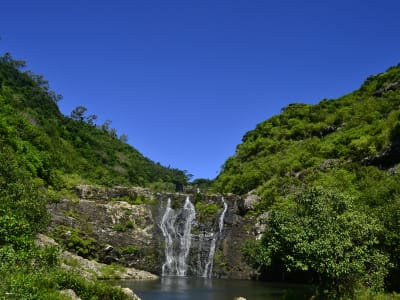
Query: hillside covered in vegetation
[[43, 154], [56, 148], [328, 175]]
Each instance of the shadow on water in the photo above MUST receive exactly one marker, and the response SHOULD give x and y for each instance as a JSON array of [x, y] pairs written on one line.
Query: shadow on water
[[185, 288]]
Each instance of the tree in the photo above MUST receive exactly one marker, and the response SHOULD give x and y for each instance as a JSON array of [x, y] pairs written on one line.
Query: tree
[[54, 96], [106, 125], [123, 138], [7, 58], [90, 119], [78, 113], [322, 234]]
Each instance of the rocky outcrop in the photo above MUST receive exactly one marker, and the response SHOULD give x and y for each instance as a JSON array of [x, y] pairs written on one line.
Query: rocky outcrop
[[70, 294], [87, 192], [91, 269], [388, 87], [123, 225], [111, 231], [129, 293], [248, 203]]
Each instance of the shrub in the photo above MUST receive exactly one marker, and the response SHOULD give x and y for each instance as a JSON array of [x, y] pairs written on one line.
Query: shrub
[[76, 241], [320, 233]]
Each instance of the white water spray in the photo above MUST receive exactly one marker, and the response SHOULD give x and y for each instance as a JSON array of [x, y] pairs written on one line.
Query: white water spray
[[167, 228], [177, 238], [210, 261], [186, 237], [221, 218]]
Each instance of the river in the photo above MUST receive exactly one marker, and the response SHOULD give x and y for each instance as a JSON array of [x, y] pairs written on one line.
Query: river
[[187, 288]]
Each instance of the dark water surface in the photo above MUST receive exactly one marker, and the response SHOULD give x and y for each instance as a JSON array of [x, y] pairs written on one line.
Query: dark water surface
[[185, 288]]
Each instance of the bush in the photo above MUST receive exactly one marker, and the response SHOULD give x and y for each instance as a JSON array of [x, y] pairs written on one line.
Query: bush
[[76, 241], [121, 227], [205, 210], [321, 234]]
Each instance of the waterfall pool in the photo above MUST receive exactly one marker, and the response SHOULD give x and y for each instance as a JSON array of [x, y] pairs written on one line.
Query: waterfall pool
[[185, 288]]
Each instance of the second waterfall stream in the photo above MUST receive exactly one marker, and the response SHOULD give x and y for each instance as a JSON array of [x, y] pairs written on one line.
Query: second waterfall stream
[[176, 226]]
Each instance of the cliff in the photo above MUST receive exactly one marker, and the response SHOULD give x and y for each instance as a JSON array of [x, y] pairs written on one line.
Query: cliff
[[124, 225]]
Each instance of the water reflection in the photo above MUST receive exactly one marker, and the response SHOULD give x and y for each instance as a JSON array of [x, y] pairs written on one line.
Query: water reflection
[[174, 284], [185, 288]]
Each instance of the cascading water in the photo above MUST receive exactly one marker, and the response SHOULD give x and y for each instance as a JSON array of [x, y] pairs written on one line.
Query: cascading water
[[168, 230], [185, 237], [176, 226], [210, 261], [176, 229]]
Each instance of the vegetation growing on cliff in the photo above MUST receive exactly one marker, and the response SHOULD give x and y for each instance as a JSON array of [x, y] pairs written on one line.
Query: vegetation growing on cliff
[[43, 154], [27, 271], [341, 149]]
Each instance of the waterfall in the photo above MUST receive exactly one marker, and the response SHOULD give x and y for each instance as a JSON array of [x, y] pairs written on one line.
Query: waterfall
[[221, 218], [168, 230], [186, 237], [210, 260], [176, 229]]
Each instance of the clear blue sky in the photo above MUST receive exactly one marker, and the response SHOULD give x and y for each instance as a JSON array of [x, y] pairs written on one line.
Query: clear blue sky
[[186, 79]]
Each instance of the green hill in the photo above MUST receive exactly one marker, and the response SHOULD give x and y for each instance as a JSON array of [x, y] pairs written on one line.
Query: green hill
[[328, 174], [56, 148], [307, 143], [43, 154]]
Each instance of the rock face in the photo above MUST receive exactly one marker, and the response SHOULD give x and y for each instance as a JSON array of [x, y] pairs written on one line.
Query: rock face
[[124, 225], [91, 269]]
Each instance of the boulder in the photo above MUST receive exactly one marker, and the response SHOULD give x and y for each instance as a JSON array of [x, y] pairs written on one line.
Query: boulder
[[70, 294], [129, 293], [248, 203]]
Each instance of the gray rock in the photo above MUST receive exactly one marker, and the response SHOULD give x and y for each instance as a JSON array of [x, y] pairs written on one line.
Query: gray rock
[[391, 86], [108, 248], [129, 293], [248, 203], [261, 225], [70, 293], [328, 164], [44, 241], [91, 269]]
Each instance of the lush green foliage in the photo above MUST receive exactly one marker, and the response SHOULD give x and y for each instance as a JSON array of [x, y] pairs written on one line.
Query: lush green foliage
[[349, 147], [205, 210], [76, 241], [29, 272], [322, 233], [25, 283], [53, 146], [343, 235], [359, 127], [42, 155]]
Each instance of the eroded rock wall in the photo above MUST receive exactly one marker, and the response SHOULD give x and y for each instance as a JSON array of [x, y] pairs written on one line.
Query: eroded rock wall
[[123, 225]]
